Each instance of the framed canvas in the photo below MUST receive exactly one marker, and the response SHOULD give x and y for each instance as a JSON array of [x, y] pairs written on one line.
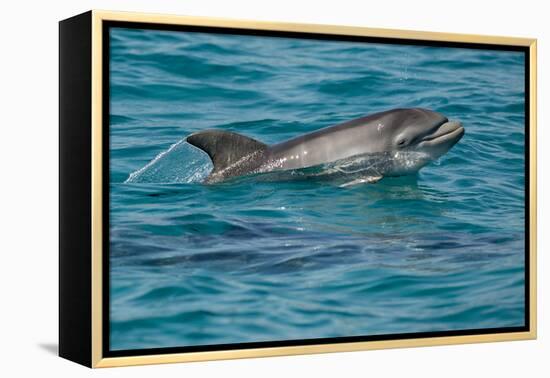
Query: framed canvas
[[235, 189]]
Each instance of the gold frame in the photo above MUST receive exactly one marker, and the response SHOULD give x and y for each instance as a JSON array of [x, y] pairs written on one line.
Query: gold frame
[[97, 154]]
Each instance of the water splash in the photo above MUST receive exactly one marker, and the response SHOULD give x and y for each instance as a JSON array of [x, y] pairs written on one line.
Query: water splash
[[183, 164], [379, 164], [179, 164]]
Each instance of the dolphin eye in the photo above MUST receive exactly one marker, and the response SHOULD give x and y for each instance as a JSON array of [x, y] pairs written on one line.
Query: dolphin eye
[[402, 142]]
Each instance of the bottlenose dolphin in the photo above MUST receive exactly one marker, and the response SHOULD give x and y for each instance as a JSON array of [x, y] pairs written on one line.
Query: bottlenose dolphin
[[392, 143]]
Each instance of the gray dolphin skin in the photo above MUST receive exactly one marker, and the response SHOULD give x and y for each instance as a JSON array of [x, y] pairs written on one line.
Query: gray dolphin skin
[[392, 143]]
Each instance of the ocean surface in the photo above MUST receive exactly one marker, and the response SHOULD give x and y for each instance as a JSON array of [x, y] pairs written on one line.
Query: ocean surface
[[256, 259]]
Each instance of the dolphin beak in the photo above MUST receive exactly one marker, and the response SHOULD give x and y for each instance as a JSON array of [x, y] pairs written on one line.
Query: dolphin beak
[[450, 131], [442, 139]]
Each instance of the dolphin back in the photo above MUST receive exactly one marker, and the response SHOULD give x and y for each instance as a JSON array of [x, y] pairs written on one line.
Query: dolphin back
[[232, 154]]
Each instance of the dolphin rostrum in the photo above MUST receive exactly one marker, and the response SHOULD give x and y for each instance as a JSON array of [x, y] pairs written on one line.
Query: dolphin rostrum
[[391, 143]]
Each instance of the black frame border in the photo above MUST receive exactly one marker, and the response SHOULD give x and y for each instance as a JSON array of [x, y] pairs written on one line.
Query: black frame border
[[75, 184], [107, 25]]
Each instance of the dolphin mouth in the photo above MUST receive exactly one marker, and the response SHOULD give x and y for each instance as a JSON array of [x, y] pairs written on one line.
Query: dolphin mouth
[[448, 131]]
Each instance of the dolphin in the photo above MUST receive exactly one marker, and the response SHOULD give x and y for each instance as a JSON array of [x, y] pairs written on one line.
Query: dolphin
[[391, 143]]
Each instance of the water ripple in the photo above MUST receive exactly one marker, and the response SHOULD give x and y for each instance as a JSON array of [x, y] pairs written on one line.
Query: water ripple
[[261, 259]]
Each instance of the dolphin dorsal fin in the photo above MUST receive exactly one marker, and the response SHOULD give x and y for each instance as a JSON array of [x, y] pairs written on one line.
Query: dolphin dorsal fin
[[225, 148]]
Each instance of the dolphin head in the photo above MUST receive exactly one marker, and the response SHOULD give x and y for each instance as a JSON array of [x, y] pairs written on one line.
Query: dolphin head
[[423, 130], [417, 136]]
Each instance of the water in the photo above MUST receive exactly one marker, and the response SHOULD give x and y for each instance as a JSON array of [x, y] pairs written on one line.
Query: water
[[260, 259]]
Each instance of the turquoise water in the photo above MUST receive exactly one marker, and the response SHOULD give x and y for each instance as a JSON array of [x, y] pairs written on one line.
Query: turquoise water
[[263, 260]]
